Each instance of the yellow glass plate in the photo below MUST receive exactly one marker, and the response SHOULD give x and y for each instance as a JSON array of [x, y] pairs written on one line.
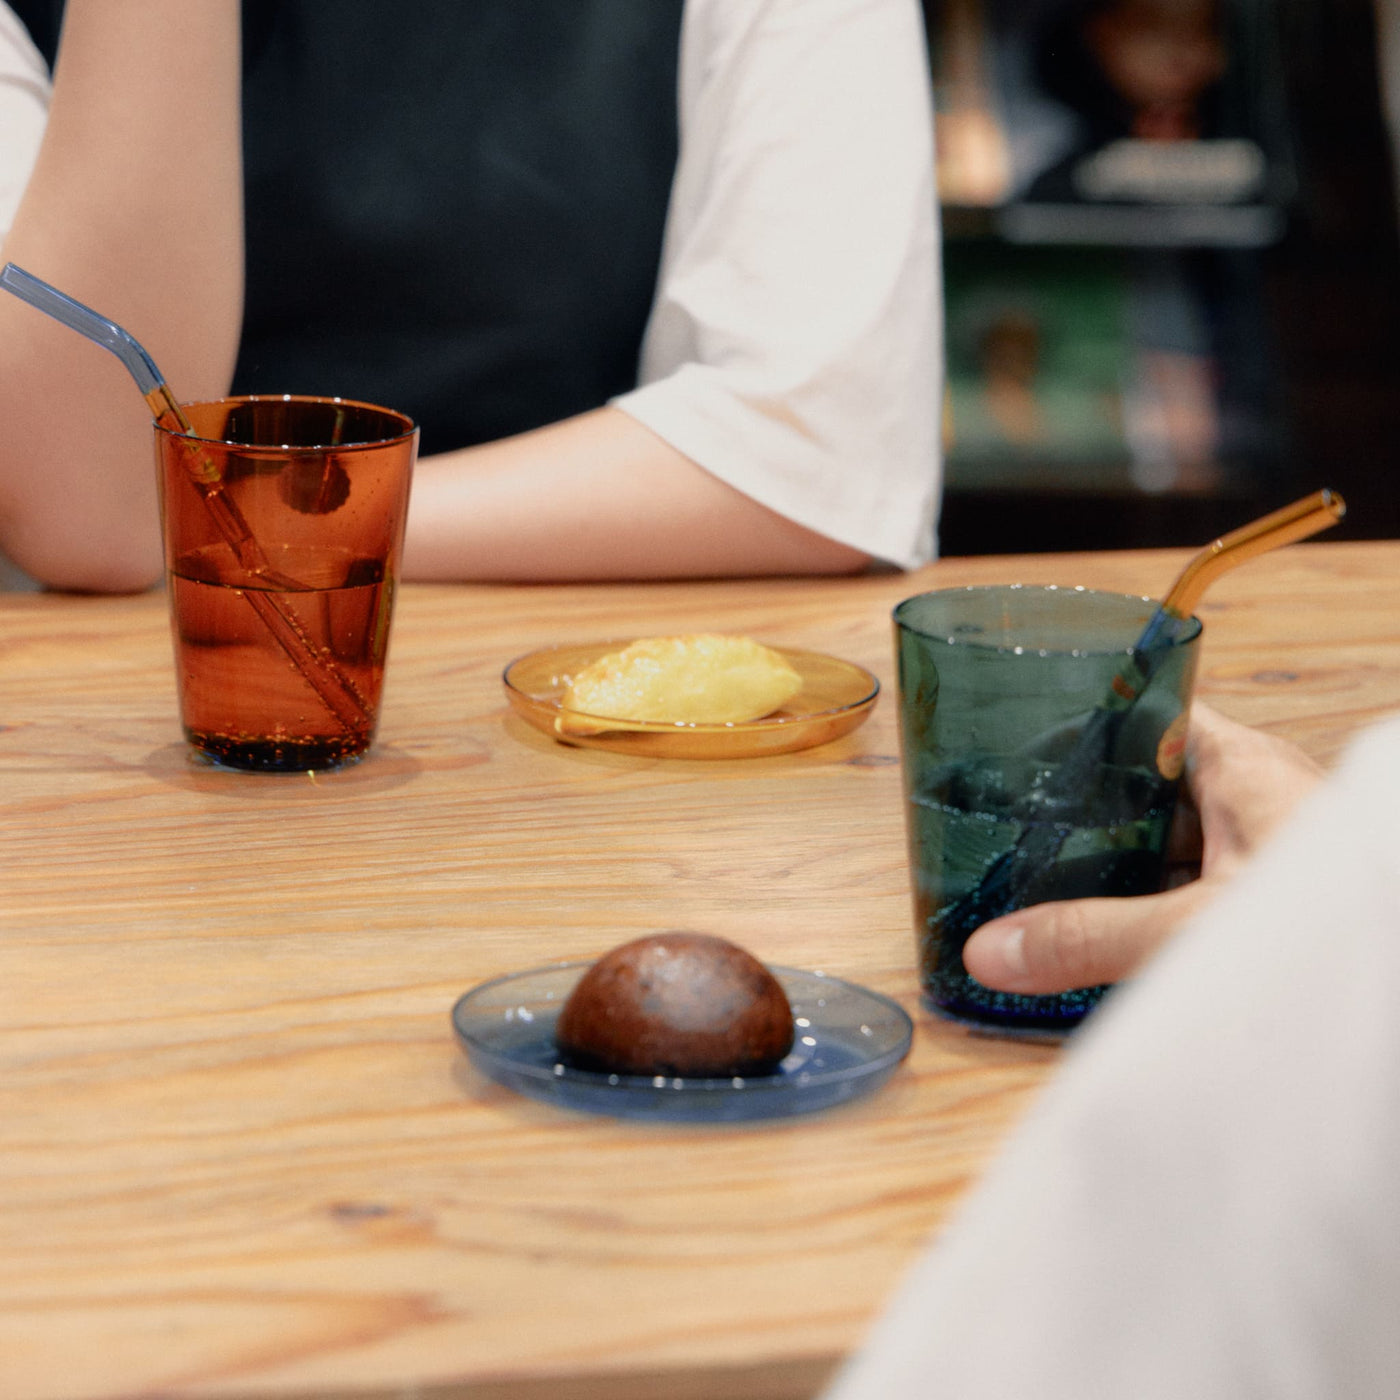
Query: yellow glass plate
[[836, 696]]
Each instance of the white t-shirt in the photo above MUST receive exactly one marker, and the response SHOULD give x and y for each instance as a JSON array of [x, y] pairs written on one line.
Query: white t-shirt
[[795, 343], [24, 105], [1205, 1203]]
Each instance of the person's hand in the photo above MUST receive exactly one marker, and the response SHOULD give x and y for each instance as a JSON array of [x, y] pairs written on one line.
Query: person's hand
[[1239, 785]]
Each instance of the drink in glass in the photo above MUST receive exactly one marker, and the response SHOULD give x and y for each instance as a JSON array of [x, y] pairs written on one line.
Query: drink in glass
[[1025, 780]]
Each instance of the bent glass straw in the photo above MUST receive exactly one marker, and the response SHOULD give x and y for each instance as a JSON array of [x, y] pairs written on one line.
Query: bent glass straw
[[154, 389], [1003, 885], [101, 331], [1280, 527], [334, 689]]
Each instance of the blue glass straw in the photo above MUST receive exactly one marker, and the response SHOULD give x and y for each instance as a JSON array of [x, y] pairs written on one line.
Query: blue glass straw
[[100, 331], [336, 691]]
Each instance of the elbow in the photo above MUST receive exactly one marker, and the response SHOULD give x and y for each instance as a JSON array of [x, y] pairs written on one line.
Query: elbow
[[76, 565], [103, 579], [837, 558], [78, 522], [804, 551]]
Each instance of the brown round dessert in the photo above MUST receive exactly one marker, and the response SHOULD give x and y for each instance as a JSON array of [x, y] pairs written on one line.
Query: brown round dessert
[[685, 1004]]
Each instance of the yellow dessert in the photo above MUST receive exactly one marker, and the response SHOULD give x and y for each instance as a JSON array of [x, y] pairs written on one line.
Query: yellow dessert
[[704, 678]]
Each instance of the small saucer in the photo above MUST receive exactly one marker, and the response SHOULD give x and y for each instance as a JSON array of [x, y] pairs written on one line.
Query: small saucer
[[849, 1041], [836, 696]]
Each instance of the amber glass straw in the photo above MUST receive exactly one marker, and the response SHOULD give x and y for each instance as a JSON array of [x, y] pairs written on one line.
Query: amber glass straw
[[1280, 527]]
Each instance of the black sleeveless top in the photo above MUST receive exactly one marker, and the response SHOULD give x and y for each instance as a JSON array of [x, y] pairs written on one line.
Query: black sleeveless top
[[452, 207]]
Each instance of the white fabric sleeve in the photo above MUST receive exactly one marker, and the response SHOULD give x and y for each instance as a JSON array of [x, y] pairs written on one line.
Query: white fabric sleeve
[[795, 345], [1203, 1204], [24, 109]]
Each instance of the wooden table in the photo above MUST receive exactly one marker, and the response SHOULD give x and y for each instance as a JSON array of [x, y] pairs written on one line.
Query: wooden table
[[240, 1152]]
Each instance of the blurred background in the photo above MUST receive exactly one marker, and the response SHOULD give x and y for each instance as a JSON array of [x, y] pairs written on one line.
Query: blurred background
[[1172, 266]]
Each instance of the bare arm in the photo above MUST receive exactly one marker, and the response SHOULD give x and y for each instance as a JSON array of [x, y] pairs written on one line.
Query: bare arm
[[146, 106], [135, 207], [790, 369], [597, 497]]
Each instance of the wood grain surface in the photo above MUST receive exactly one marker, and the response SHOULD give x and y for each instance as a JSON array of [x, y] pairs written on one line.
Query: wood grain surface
[[241, 1154]]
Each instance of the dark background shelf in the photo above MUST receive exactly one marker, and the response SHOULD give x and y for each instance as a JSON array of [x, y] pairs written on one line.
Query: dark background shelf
[[1322, 317]]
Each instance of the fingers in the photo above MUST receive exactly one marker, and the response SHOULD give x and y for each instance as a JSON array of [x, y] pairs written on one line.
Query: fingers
[[1077, 943], [1220, 749], [1243, 782]]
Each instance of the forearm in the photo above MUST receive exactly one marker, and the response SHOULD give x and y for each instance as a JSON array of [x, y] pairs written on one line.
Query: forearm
[[597, 497], [135, 207]]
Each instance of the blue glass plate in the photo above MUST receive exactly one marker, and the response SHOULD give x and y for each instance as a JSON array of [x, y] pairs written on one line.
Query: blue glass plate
[[849, 1041]]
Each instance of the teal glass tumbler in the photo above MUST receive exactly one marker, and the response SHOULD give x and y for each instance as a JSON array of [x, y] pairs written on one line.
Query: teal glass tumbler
[[1002, 693]]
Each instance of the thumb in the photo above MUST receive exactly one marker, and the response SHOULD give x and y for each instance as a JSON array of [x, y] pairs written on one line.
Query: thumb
[[1078, 942]]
